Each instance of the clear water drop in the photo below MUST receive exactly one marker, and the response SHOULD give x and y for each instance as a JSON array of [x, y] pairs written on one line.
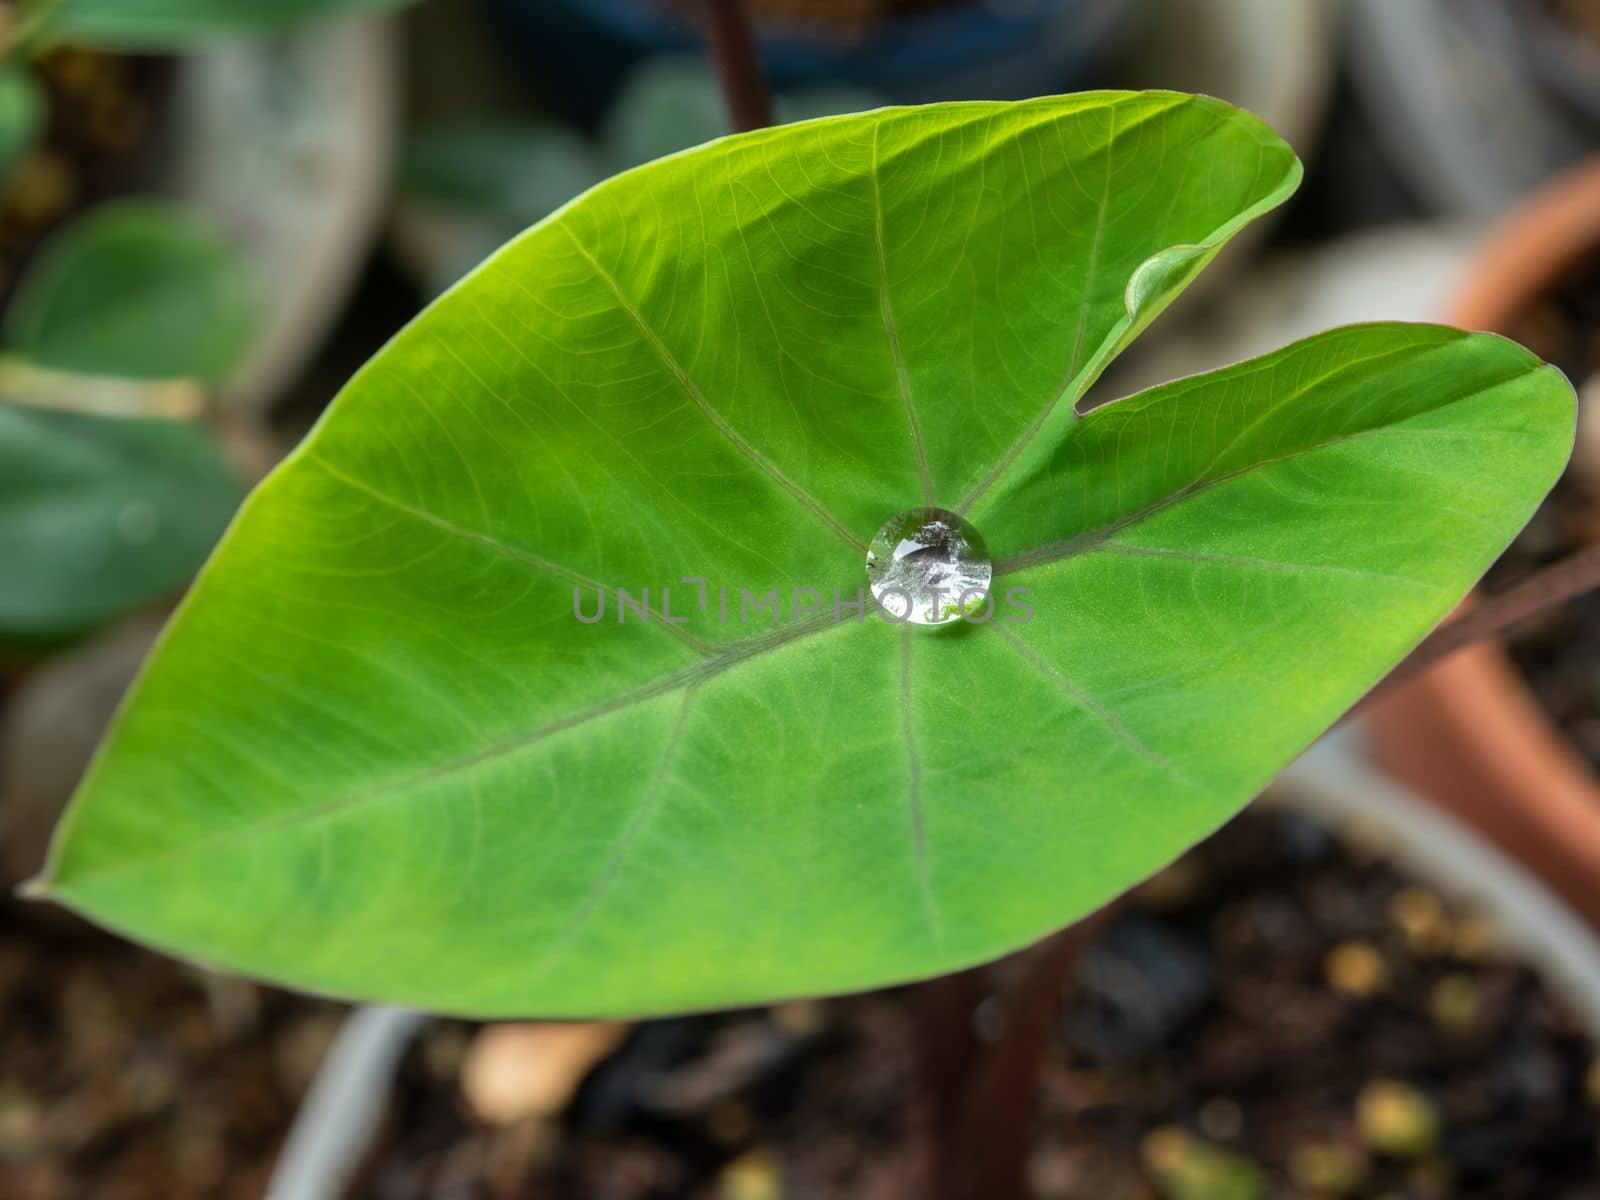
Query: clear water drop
[[928, 567]]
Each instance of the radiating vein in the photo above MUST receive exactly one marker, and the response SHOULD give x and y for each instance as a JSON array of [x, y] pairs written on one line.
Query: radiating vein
[[919, 837], [662, 686], [892, 332], [1103, 714], [733, 437], [1091, 274], [1126, 550], [508, 549], [1091, 539], [609, 873]]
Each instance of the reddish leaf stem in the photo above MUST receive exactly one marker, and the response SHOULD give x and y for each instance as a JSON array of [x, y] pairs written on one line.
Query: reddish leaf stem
[[732, 46], [1550, 588]]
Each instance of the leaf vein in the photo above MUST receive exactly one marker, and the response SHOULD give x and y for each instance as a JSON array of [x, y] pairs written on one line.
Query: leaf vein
[[731, 435]]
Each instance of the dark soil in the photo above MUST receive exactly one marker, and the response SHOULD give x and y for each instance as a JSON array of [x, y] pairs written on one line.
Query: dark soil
[[1559, 652], [125, 1076], [102, 111], [1279, 1015]]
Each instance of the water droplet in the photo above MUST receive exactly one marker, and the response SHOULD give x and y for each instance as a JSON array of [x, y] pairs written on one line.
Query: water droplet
[[928, 566]]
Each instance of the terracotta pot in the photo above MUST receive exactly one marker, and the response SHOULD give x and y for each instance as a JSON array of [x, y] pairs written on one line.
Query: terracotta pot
[[1469, 733]]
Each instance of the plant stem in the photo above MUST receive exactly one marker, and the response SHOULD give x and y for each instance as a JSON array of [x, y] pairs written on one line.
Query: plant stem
[[732, 46], [947, 1054], [1550, 588], [981, 1100]]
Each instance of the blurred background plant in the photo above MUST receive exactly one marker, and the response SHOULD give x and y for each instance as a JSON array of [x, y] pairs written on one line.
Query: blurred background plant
[[466, 188], [129, 310], [192, 194]]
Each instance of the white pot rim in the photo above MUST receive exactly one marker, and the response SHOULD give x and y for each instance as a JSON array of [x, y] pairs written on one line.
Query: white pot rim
[[286, 145], [1333, 782]]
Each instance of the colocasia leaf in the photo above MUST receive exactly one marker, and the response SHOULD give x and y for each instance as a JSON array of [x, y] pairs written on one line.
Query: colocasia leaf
[[410, 771]]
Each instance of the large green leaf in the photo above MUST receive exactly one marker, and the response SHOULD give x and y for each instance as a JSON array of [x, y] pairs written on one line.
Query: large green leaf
[[99, 515], [136, 289], [174, 24], [407, 771]]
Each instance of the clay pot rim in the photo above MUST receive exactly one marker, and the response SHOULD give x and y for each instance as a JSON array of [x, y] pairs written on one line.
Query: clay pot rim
[[1479, 694], [1529, 248]]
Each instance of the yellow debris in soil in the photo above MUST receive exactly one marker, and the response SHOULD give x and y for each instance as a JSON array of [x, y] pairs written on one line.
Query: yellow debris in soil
[[20, 1117], [1165, 1150], [1423, 921], [1356, 969], [752, 1177], [1476, 938], [1456, 1005], [1328, 1168], [515, 1071], [1396, 1119], [1186, 1168]]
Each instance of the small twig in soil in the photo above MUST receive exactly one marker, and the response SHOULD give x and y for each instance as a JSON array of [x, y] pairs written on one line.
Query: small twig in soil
[[1550, 588], [732, 46]]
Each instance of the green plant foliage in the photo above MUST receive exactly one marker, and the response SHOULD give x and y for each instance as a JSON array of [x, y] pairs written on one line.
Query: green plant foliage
[[175, 24], [500, 172], [523, 172], [477, 185], [21, 116], [99, 515], [670, 104], [408, 772], [139, 290]]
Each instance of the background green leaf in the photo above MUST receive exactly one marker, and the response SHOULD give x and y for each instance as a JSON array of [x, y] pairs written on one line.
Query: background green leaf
[[21, 116], [500, 172], [670, 104], [99, 515], [409, 773], [175, 24], [473, 186], [136, 289]]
